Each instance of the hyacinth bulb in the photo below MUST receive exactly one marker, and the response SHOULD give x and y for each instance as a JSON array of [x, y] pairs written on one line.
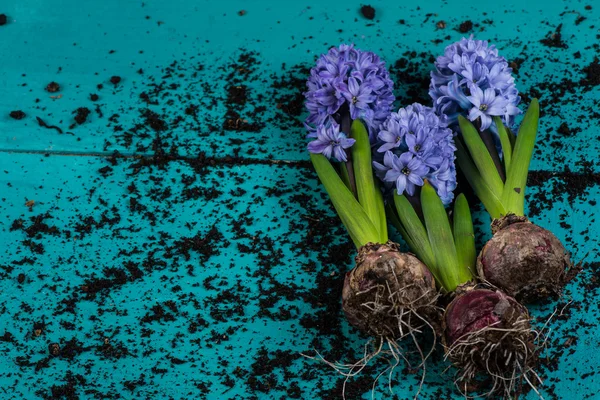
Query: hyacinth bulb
[[389, 293], [487, 332], [525, 260], [480, 308]]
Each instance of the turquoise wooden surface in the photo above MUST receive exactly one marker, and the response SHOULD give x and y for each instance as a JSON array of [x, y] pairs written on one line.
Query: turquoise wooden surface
[[118, 258]]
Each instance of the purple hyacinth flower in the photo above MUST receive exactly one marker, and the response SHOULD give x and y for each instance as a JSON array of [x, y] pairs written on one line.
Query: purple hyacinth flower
[[417, 144], [485, 105], [390, 135], [364, 66], [347, 83], [358, 96], [330, 142], [473, 63], [405, 171], [475, 73], [408, 171]]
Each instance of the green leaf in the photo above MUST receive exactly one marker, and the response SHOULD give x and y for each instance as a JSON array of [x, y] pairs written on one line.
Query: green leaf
[[505, 142], [512, 137], [490, 201], [345, 177], [481, 157], [414, 232], [440, 238], [464, 238], [354, 218], [393, 218], [369, 195], [383, 228], [513, 196]]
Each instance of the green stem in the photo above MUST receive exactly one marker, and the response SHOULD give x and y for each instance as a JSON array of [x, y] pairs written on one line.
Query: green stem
[[395, 221], [464, 239], [348, 174], [481, 156], [490, 145], [513, 196], [441, 239], [505, 142], [415, 232], [354, 218], [490, 201], [383, 228], [369, 195], [345, 176]]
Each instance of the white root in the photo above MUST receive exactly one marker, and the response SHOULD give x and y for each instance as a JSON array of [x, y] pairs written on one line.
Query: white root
[[508, 366]]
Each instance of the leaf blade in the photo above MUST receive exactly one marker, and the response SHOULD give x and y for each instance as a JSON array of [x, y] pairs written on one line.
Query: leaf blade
[[481, 157], [513, 196], [464, 238], [491, 202], [415, 231], [349, 210], [440, 238], [369, 195], [344, 175], [505, 143]]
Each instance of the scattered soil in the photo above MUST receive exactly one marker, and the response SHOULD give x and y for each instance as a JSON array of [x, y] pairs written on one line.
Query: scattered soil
[[592, 73], [43, 124], [554, 39], [115, 80], [465, 27], [81, 115], [368, 12], [195, 297], [17, 114], [3, 19], [52, 87]]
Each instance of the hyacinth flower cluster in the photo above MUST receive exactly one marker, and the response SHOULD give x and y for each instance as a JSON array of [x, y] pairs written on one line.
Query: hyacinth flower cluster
[[472, 80], [415, 144], [346, 84]]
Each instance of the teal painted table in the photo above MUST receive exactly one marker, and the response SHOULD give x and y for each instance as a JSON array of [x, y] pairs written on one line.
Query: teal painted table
[[164, 236]]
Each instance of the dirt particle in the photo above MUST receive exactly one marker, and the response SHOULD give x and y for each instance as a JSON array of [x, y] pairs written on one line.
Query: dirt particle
[[29, 204], [21, 278], [3, 19], [441, 24], [241, 13], [17, 114], [81, 114], [465, 26], [516, 64], [94, 97], [564, 129], [368, 12], [115, 80], [554, 39], [45, 125], [54, 349], [592, 72], [52, 87]]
